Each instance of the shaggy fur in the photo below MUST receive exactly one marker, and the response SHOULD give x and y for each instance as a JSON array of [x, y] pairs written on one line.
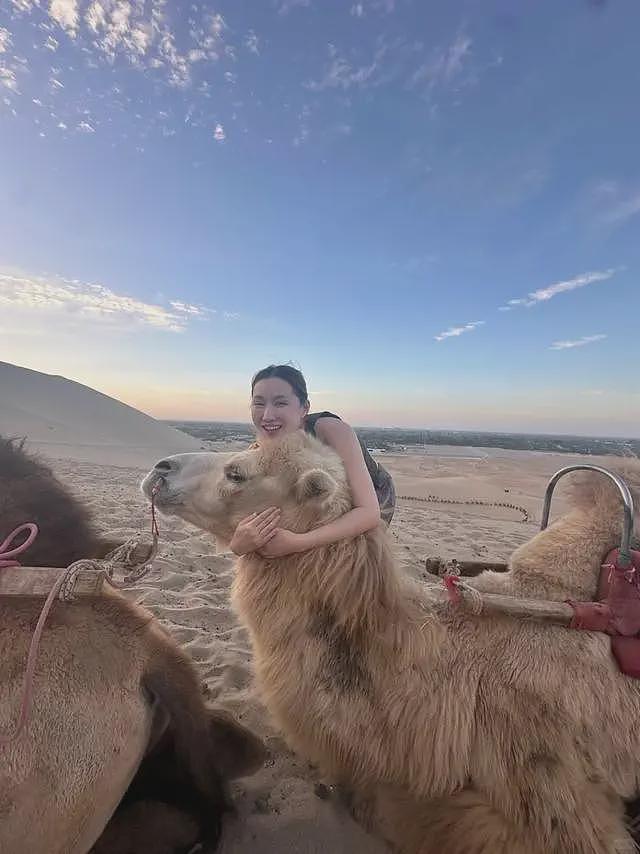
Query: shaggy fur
[[29, 492], [458, 733], [563, 561], [108, 684]]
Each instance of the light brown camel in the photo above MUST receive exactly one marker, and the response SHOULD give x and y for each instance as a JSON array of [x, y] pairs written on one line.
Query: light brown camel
[[488, 734], [116, 702]]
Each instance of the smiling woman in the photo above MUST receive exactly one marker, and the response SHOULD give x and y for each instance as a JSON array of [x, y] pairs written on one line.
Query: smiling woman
[[280, 406]]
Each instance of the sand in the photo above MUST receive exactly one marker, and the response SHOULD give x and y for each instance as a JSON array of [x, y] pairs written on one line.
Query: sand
[[65, 419], [188, 590]]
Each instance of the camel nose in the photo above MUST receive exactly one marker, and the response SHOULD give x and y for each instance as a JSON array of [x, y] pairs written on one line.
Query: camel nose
[[165, 467]]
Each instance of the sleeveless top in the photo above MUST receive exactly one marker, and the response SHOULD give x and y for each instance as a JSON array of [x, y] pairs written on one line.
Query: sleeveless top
[[375, 470]]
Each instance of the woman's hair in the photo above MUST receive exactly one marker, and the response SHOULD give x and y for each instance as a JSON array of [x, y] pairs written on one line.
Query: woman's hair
[[287, 373]]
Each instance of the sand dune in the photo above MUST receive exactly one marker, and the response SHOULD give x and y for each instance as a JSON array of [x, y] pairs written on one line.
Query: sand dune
[[68, 420]]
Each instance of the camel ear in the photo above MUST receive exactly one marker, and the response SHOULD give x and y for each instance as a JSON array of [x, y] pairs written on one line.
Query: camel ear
[[315, 484]]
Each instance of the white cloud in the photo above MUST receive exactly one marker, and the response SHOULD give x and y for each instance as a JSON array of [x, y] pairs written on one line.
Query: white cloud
[[8, 79], [231, 315], [251, 42], [357, 10], [190, 309], [96, 16], [545, 294], [85, 127], [5, 40], [579, 342], [90, 302], [178, 65], [24, 5], [65, 14], [218, 25], [218, 134], [455, 331]]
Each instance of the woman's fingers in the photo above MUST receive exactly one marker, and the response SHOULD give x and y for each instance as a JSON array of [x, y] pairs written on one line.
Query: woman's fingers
[[267, 529], [262, 524], [266, 514]]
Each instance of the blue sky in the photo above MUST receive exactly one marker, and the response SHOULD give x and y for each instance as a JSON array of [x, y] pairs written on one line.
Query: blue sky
[[432, 208]]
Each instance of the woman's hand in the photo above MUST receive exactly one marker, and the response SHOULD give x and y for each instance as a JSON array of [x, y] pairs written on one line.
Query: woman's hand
[[283, 543], [255, 531]]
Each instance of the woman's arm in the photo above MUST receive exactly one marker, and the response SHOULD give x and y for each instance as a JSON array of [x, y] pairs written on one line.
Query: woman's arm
[[366, 511]]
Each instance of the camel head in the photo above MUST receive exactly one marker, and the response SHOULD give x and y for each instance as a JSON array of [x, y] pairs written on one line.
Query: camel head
[[214, 491]]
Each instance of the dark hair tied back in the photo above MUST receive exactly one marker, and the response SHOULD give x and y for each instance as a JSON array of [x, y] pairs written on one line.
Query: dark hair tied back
[[287, 373]]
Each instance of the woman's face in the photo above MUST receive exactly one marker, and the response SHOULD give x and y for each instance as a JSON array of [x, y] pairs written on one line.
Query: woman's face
[[275, 408]]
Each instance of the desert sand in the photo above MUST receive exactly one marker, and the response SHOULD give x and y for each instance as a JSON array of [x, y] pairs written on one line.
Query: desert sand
[[450, 505]]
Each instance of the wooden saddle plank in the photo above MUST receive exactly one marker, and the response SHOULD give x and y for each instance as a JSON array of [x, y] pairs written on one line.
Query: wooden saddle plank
[[37, 581]]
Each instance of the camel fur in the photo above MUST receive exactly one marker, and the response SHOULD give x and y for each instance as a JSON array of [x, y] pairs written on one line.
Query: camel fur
[[117, 704], [474, 733]]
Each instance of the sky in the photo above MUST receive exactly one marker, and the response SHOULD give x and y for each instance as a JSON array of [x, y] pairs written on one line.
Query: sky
[[432, 209]]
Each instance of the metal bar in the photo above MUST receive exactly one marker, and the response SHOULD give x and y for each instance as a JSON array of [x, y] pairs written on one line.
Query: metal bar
[[627, 501]]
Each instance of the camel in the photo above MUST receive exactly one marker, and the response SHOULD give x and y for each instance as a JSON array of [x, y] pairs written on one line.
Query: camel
[[467, 733], [118, 722]]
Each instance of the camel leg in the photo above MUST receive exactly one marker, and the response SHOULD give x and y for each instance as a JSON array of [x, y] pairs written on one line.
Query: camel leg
[[467, 823], [568, 816], [463, 823]]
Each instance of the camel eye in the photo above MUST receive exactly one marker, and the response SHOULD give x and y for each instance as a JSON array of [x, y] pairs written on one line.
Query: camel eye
[[235, 476]]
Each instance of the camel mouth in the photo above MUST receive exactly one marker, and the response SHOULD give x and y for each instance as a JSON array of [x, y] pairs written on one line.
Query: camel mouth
[[155, 487]]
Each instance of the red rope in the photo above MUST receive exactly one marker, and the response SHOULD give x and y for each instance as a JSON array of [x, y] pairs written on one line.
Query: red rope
[[451, 586]]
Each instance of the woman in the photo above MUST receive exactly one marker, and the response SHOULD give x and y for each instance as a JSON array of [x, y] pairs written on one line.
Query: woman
[[280, 405]]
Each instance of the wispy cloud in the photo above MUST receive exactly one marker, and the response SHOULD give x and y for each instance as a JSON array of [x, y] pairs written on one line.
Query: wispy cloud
[[285, 6], [5, 40], [615, 204], [578, 342], [94, 303], [545, 294], [444, 65], [219, 133], [8, 79], [24, 5], [252, 43], [343, 74], [190, 309], [456, 331]]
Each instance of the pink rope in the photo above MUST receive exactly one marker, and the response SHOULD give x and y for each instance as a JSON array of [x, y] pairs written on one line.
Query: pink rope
[[7, 559], [7, 555], [27, 693]]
